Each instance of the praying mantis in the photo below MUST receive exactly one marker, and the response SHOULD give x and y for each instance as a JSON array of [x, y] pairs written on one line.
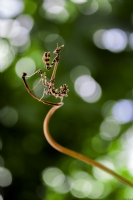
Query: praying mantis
[[49, 85]]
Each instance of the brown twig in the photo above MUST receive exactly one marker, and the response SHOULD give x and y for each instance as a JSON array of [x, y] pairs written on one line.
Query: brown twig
[[75, 154], [63, 149], [35, 97]]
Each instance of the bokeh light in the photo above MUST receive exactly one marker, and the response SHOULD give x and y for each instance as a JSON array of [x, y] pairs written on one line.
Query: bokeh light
[[127, 139], [17, 31], [25, 21], [64, 187], [105, 7], [131, 40], [129, 136], [101, 175], [1, 198], [79, 1], [10, 8], [79, 174], [12, 29], [118, 156], [82, 181], [51, 37], [49, 3], [25, 65], [6, 55], [88, 8], [21, 39], [8, 116], [5, 177], [87, 88], [81, 188], [114, 40], [6, 27], [99, 144], [57, 13], [52, 40], [97, 189], [106, 109], [107, 190], [128, 192], [123, 111], [109, 128], [55, 10], [78, 71], [97, 38], [53, 177], [80, 184]]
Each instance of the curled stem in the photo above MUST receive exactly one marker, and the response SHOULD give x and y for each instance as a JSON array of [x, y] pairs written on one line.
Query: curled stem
[[63, 149], [75, 154], [35, 97]]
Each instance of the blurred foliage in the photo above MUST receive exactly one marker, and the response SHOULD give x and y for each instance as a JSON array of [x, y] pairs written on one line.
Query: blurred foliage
[[98, 37]]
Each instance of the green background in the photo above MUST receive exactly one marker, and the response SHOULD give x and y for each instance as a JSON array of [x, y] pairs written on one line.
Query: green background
[[24, 152]]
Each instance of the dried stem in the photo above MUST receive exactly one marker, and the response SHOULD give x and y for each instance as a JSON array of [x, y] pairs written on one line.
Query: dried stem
[[63, 149], [75, 154]]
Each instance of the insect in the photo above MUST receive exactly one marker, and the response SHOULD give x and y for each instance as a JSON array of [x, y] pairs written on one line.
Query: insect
[[49, 88]]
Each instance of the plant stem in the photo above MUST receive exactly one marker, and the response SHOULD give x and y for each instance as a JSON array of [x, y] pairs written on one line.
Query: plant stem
[[35, 97], [75, 154]]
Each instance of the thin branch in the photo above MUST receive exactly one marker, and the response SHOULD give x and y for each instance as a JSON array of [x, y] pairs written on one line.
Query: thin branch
[[75, 154], [50, 113], [35, 97]]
